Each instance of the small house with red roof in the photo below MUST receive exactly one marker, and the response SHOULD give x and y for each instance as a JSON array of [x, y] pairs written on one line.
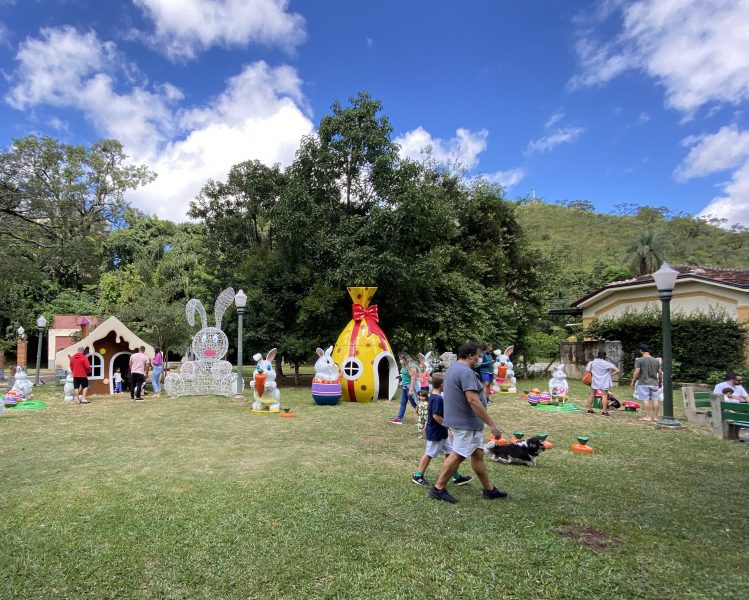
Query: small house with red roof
[[697, 289]]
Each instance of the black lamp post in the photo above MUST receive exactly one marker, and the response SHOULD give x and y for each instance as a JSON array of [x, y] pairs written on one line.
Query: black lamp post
[[240, 300], [41, 323], [665, 281]]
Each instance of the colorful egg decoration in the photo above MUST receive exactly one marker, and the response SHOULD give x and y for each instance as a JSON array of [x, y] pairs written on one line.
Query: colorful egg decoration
[[545, 397], [363, 353], [326, 393]]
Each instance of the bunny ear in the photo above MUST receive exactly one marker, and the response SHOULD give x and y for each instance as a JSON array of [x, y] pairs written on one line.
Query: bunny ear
[[422, 358], [428, 356], [224, 301], [509, 350], [192, 306], [329, 351], [257, 357], [319, 352], [271, 355]]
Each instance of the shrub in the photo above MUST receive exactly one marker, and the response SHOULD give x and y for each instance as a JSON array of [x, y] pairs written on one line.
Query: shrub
[[702, 342]]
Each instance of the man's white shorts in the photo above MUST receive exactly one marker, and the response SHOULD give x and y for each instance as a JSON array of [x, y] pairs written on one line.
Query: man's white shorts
[[467, 441], [440, 447], [647, 393]]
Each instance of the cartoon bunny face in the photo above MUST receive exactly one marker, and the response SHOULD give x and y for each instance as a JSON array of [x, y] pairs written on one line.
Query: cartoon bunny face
[[210, 344], [325, 367]]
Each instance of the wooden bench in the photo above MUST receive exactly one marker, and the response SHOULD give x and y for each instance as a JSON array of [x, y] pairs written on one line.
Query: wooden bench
[[728, 418], [694, 405]]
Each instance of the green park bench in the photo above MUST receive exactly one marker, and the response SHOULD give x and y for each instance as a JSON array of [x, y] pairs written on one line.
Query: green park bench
[[695, 404], [728, 418]]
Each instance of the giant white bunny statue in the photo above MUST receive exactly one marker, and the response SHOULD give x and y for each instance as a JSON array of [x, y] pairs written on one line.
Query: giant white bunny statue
[[504, 380], [266, 393], [22, 384], [558, 386], [208, 375]]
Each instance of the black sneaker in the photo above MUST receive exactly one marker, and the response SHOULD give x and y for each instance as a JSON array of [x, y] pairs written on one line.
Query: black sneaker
[[442, 495], [462, 480], [494, 494], [420, 481]]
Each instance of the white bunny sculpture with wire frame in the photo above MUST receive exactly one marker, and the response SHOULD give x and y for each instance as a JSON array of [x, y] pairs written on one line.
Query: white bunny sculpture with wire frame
[[208, 375]]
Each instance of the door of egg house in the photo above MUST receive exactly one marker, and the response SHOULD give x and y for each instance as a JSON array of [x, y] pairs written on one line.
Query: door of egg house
[[386, 380]]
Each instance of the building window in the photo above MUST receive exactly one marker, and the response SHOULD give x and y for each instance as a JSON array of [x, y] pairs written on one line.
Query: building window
[[352, 369], [97, 365]]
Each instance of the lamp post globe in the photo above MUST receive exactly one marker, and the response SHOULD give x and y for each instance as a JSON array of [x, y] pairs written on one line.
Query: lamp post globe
[[21, 331], [41, 323], [240, 301], [665, 281]]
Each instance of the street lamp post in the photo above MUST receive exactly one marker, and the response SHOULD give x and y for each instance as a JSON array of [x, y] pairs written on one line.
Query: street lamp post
[[240, 300], [41, 323], [665, 281], [21, 350]]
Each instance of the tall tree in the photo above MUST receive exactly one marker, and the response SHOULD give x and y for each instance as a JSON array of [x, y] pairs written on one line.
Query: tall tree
[[646, 251], [59, 200]]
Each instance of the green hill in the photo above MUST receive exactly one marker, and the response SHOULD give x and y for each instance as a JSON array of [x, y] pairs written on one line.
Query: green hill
[[588, 249]]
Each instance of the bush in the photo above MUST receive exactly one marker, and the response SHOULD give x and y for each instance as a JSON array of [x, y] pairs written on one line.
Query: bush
[[702, 342]]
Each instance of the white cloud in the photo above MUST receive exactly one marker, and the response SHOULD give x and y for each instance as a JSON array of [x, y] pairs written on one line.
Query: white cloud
[[4, 34], [547, 143], [554, 119], [261, 114], [68, 69], [727, 149], [461, 150], [185, 28], [698, 51], [258, 116], [506, 179]]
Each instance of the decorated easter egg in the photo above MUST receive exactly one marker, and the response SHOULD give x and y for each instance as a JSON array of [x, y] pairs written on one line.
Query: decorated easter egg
[[326, 393]]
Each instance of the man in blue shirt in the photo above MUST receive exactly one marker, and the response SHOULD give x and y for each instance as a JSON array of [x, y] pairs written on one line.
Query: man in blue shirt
[[465, 414]]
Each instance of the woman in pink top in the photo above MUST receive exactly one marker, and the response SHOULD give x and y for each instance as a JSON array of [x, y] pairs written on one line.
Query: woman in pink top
[[157, 369]]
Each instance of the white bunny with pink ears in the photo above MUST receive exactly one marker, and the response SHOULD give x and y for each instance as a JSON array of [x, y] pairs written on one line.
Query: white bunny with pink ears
[[265, 390], [326, 370]]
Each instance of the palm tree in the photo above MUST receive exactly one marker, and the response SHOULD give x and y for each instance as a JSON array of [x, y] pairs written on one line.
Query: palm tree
[[646, 251]]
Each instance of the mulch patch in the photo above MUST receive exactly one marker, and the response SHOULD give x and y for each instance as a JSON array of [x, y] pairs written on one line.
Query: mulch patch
[[593, 538]]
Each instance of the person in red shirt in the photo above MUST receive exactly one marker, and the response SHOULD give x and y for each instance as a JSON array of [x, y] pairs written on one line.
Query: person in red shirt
[[80, 368]]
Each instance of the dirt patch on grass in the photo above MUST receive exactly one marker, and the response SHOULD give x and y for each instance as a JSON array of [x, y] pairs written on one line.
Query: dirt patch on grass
[[371, 439], [593, 538]]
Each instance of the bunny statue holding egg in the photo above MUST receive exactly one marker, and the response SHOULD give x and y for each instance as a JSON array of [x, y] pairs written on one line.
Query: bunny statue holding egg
[[326, 385]]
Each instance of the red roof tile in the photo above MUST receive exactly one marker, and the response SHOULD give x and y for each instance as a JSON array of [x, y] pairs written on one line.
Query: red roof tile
[[738, 278]]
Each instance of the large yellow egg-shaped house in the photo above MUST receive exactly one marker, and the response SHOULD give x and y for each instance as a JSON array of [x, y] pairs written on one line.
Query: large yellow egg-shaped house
[[368, 368]]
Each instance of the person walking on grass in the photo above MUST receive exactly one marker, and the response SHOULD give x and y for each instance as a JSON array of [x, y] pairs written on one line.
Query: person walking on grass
[[80, 368], [647, 380], [466, 415], [409, 378], [601, 370], [438, 441], [138, 366]]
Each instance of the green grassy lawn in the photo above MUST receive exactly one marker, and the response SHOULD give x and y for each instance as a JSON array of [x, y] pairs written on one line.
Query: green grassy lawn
[[198, 498]]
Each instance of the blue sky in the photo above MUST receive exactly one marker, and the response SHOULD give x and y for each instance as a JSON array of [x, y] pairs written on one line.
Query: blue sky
[[612, 102]]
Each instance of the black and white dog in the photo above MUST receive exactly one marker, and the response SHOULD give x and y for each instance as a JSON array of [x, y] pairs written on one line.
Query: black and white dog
[[523, 452]]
